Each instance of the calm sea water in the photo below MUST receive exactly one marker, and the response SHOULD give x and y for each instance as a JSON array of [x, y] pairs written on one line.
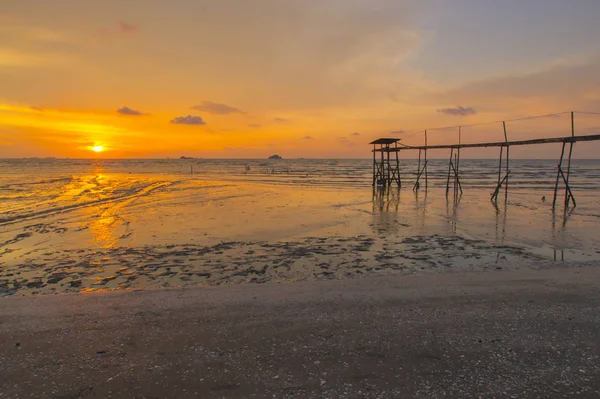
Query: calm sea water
[[33, 187], [525, 174]]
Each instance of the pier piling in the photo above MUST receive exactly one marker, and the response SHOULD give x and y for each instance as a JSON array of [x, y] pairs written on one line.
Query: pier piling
[[386, 172]]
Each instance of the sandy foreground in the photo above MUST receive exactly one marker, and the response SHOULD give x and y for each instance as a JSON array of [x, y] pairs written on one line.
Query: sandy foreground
[[489, 334]]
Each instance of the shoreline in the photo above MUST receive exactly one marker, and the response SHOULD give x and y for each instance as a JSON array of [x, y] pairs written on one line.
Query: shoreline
[[496, 334]]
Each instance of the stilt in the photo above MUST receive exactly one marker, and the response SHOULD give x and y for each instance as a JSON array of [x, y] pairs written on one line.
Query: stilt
[[568, 194], [420, 171], [426, 182], [500, 166], [505, 179], [565, 177], [418, 175], [453, 170], [374, 166], [397, 170], [449, 169], [507, 173], [559, 170]]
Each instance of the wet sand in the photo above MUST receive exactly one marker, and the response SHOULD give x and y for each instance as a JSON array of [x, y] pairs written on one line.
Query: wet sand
[[525, 333], [118, 232]]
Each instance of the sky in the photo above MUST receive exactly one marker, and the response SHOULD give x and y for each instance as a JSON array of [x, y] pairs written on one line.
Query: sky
[[300, 78]]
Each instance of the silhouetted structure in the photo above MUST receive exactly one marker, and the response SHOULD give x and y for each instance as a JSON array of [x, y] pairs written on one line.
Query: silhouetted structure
[[385, 172]]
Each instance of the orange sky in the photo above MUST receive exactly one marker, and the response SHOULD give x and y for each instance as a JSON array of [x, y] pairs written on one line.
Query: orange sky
[[234, 78]]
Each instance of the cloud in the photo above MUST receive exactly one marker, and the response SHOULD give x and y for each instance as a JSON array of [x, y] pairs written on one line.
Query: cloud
[[17, 32], [458, 111], [307, 138], [188, 120], [282, 120], [563, 86], [254, 125], [12, 58], [216, 108], [355, 134], [126, 28], [129, 111]]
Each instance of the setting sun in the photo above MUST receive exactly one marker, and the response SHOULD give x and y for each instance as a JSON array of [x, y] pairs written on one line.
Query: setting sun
[[97, 148]]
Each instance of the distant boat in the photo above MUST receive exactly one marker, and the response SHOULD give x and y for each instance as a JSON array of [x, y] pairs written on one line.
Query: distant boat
[[275, 157], [184, 157]]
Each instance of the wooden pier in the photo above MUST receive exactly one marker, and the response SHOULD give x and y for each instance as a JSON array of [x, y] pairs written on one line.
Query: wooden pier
[[385, 170], [386, 173]]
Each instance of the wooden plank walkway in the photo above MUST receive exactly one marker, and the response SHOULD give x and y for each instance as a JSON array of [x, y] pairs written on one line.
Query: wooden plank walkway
[[567, 139]]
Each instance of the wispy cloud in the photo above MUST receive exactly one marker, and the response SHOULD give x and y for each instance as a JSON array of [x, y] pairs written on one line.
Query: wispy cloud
[[129, 111], [355, 134], [216, 108], [188, 120], [254, 125], [16, 58], [282, 120], [20, 31], [126, 28], [458, 111], [396, 133], [307, 138]]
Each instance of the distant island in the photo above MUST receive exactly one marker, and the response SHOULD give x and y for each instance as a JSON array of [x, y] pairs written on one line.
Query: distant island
[[184, 157], [275, 157]]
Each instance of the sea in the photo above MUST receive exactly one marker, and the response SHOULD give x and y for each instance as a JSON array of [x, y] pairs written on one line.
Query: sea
[[80, 225]]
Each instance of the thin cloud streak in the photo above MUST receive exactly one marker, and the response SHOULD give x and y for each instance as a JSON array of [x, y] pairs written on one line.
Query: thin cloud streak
[[216, 108], [458, 111], [188, 120]]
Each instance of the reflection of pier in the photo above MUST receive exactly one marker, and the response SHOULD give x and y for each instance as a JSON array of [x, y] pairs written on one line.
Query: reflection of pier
[[385, 209], [385, 172]]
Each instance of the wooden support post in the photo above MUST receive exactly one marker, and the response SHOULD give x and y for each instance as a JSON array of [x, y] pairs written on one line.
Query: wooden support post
[[566, 179], [426, 180], [416, 186], [568, 194], [387, 176], [568, 191], [505, 179], [500, 165], [558, 172], [507, 172], [455, 182], [458, 185], [449, 169], [374, 165], [382, 176], [495, 195]]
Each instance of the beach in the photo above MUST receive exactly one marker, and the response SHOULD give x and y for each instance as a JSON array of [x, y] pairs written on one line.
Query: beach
[[140, 279], [493, 334], [299, 199], [104, 229]]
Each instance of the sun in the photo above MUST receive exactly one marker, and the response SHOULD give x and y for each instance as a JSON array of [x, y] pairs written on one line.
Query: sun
[[97, 148]]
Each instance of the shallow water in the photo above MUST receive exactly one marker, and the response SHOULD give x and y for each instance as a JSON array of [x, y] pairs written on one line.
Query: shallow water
[[78, 225]]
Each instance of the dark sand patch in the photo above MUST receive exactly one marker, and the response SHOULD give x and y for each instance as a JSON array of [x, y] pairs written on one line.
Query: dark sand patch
[[313, 258]]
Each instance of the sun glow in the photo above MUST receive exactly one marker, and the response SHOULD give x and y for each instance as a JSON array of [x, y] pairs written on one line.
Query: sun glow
[[97, 148]]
